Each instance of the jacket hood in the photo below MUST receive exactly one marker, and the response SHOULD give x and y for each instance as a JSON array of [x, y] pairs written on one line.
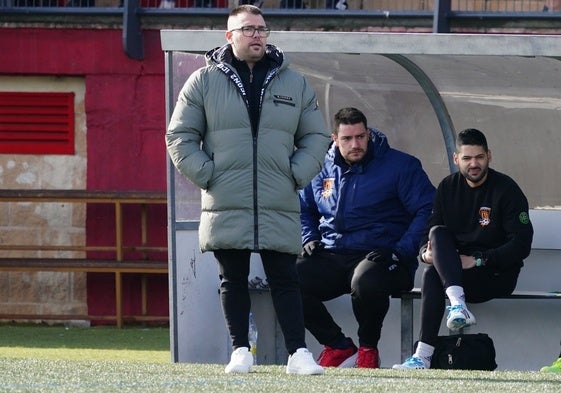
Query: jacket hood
[[377, 146], [224, 54]]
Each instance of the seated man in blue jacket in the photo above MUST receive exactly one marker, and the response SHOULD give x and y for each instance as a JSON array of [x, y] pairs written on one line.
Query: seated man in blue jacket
[[362, 219]]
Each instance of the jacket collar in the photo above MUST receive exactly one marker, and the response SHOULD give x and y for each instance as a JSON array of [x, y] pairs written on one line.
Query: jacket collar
[[377, 146], [224, 54]]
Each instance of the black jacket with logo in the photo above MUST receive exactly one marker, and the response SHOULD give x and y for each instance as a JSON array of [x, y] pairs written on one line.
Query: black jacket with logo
[[492, 218]]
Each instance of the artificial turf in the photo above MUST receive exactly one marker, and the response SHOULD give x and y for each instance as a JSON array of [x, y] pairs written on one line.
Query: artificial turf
[[105, 359]]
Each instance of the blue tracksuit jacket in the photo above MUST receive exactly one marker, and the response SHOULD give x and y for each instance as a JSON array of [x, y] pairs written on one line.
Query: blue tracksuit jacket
[[383, 201]]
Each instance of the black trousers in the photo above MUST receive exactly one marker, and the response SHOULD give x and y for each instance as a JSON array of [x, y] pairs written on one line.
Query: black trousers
[[281, 274], [325, 276], [480, 283]]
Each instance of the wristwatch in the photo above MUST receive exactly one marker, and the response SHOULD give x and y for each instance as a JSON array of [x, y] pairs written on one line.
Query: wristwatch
[[480, 258]]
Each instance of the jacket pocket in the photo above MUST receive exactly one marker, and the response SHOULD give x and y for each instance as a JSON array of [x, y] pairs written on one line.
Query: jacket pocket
[[276, 102]]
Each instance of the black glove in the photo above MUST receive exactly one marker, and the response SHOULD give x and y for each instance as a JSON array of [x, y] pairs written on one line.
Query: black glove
[[312, 246], [384, 256]]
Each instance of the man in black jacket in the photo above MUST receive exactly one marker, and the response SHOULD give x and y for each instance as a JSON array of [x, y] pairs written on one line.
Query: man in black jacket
[[478, 235]]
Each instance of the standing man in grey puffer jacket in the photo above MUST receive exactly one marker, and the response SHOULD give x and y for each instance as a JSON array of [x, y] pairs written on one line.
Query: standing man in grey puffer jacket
[[248, 131]]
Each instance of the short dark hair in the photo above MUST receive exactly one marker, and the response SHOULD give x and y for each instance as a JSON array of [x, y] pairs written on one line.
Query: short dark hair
[[471, 136], [348, 115], [250, 9]]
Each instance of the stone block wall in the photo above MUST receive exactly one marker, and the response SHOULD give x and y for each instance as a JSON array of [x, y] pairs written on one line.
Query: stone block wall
[[27, 223]]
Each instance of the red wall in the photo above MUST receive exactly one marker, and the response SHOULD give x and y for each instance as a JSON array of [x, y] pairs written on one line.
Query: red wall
[[125, 114]]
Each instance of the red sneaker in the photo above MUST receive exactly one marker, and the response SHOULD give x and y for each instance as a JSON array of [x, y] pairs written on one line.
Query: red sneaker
[[368, 358], [332, 357]]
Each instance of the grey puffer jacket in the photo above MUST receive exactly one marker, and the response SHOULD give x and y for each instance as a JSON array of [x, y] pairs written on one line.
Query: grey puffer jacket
[[249, 180]]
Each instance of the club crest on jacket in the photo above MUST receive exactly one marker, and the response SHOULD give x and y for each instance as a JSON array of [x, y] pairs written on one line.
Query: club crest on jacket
[[484, 216], [327, 187]]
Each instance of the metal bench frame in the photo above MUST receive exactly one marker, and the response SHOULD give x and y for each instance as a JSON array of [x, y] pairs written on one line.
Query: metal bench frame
[[407, 299]]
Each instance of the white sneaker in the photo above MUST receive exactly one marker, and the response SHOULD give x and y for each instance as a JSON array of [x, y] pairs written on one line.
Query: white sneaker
[[459, 317], [413, 363], [302, 362], [241, 361]]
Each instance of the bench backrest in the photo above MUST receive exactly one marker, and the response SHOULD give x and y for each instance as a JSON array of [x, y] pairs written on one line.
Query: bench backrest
[[547, 229]]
